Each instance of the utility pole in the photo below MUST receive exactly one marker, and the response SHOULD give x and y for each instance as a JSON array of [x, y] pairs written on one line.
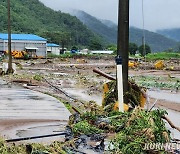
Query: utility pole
[[123, 40], [10, 69]]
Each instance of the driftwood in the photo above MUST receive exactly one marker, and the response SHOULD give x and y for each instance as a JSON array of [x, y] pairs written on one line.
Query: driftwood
[[22, 81], [170, 123], [103, 74]]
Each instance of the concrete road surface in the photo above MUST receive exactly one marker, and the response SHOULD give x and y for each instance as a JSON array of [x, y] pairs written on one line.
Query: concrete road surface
[[25, 113]]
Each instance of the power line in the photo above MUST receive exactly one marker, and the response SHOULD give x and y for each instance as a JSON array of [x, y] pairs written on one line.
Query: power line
[[144, 37]]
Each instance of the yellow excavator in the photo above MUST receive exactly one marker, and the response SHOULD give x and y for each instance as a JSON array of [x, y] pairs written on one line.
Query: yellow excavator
[[23, 55], [18, 54]]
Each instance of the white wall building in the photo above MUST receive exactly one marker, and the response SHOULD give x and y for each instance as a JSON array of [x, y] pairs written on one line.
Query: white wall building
[[24, 42], [53, 48]]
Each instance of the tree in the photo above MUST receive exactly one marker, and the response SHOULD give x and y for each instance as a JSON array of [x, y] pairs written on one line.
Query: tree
[[144, 51], [112, 47], [61, 38], [133, 48], [95, 44]]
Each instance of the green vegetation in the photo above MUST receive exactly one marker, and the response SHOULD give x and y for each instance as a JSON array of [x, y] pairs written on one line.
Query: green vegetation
[[156, 42], [55, 147], [158, 82], [141, 127], [38, 77], [109, 34], [31, 16], [83, 127], [132, 129], [108, 31], [162, 56], [144, 50], [133, 48], [66, 55]]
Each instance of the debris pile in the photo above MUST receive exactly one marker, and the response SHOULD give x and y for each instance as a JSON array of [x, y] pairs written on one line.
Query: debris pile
[[130, 131], [134, 97]]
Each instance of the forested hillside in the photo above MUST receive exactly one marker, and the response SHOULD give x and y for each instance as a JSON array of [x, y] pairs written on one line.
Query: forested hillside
[[96, 26], [108, 30], [156, 41], [31, 16], [171, 33]]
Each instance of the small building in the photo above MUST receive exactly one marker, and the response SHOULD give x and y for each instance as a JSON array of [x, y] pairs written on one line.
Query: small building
[[53, 48], [32, 44], [102, 52]]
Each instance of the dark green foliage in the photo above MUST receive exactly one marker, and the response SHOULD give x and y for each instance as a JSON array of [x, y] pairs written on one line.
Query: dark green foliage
[[83, 127], [133, 48], [113, 48], [163, 56], [144, 50], [97, 26], [95, 44], [31, 16], [141, 127]]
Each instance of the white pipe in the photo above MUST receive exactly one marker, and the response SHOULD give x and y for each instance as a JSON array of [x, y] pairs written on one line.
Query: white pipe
[[120, 88]]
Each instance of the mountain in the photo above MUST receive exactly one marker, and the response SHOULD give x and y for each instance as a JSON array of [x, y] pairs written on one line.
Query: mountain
[[32, 16], [108, 30], [171, 33], [156, 41], [96, 25]]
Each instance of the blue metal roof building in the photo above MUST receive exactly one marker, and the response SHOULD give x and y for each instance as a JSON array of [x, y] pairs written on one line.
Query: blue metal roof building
[[21, 42], [53, 48], [29, 37], [52, 45]]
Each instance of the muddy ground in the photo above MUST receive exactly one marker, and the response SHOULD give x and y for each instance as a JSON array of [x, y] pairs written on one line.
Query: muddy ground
[[76, 79], [74, 83]]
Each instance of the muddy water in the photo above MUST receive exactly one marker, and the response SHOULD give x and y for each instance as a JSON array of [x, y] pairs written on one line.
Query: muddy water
[[80, 94], [27, 113], [175, 118], [165, 95]]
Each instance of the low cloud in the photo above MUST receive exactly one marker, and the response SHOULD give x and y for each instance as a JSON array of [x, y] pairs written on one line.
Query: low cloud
[[159, 14]]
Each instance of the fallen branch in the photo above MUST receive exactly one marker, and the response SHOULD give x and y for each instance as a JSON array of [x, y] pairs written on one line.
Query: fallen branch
[[103, 74], [21, 81], [55, 87], [170, 123]]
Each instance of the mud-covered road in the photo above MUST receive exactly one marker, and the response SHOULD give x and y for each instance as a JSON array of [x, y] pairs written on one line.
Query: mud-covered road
[[26, 113]]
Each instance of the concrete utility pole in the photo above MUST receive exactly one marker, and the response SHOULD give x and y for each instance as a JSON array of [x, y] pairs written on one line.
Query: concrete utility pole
[[10, 69], [123, 40]]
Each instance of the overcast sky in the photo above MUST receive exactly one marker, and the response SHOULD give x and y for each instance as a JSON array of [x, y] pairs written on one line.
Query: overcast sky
[[159, 14]]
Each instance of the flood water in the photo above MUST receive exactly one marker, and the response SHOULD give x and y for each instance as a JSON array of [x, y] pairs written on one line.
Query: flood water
[[165, 95]]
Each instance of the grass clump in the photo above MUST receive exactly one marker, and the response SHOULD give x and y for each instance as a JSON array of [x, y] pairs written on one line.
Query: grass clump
[[140, 128], [83, 127], [162, 56], [34, 148], [38, 77]]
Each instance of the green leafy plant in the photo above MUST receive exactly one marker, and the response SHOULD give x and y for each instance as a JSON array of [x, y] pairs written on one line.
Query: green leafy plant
[[83, 127]]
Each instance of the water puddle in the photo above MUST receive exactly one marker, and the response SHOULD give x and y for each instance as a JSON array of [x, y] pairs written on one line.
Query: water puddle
[[80, 94], [174, 117], [165, 95]]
